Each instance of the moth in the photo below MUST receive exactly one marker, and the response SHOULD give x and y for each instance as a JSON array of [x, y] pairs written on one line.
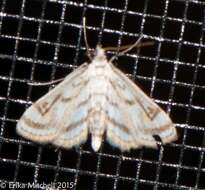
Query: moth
[[100, 100]]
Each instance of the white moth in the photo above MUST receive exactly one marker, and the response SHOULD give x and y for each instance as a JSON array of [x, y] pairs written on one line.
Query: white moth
[[99, 99]]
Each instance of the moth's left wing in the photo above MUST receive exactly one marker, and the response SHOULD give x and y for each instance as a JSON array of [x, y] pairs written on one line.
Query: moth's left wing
[[74, 123], [41, 122]]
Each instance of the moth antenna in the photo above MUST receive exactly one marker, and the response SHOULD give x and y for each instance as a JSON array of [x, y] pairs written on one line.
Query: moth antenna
[[85, 39], [132, 46], [127, 49]]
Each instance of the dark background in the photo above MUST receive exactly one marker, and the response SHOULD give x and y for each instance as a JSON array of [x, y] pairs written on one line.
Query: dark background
[[43, 41]]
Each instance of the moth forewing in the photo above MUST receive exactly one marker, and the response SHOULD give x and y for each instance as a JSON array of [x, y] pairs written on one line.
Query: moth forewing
[[41, 122], [153, 120]]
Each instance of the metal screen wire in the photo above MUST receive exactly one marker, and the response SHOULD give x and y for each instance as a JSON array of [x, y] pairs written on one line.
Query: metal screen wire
[[42, 40]]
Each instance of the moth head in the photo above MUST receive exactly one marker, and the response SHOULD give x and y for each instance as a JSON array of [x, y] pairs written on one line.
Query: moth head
[[99, 54]]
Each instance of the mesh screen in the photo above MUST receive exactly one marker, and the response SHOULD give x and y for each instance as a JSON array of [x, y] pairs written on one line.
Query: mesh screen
[[42, 40]]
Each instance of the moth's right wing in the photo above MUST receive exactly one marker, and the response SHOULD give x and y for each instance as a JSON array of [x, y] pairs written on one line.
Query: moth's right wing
[[43, 121], [138, 114]]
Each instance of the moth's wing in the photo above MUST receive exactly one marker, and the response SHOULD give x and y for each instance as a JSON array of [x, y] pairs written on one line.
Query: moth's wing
[[41, 121], [122, 131], [145, 118], [74, 122], [118, 132]]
